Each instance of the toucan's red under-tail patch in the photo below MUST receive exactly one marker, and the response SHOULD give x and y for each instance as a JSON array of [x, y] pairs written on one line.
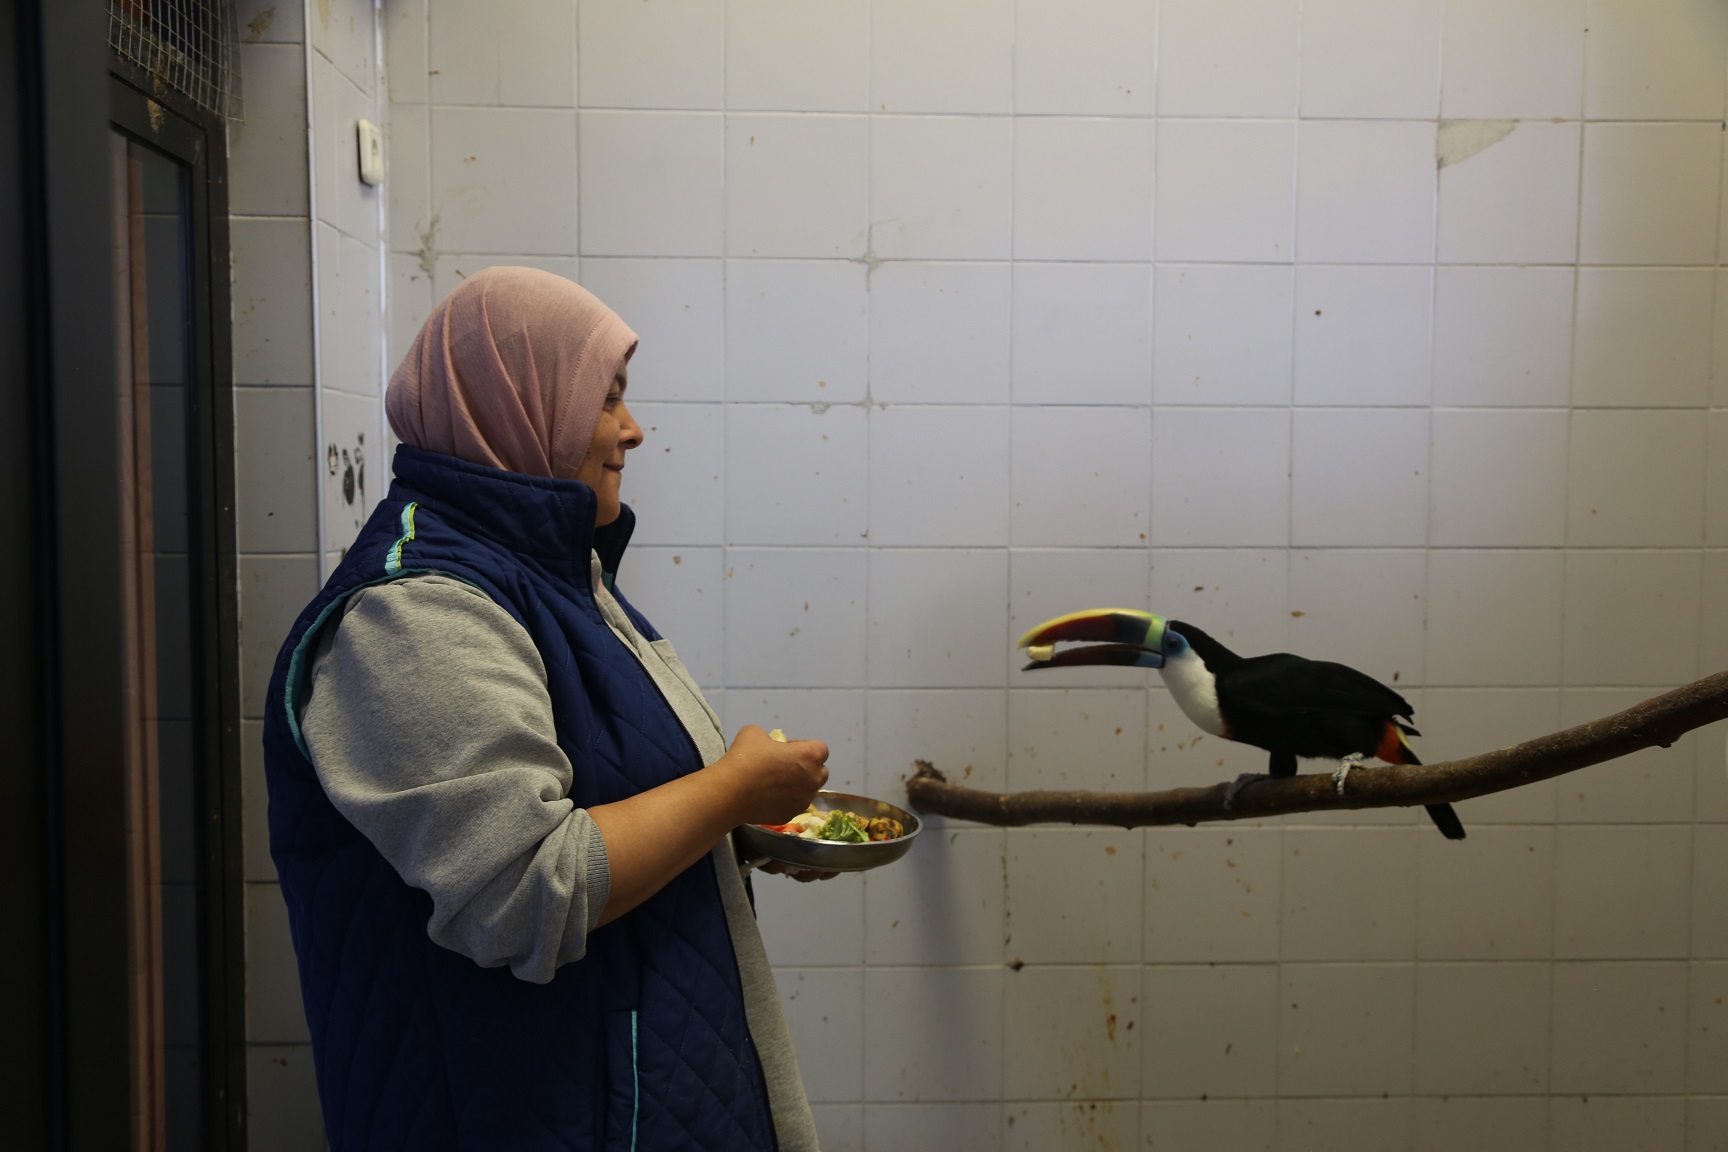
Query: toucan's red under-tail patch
[[1394, 749]]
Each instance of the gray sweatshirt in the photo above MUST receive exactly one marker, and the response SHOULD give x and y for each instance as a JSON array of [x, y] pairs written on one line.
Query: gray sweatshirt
[[445, 756]]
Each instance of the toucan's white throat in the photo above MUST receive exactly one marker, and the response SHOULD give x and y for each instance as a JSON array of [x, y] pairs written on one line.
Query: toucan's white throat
[[1194, 689]]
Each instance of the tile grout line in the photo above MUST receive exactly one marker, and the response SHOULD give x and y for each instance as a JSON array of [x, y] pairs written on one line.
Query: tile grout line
[[382, 470], [1698, 751], [576, 116], [1278, 1032], [1427, 586], [869, 508], [869, 477], [1008, 592], [1148, 584], [1566, 564], [315, 301]]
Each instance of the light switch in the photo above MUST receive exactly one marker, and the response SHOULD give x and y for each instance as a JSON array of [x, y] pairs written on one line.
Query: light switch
[[371, 153]]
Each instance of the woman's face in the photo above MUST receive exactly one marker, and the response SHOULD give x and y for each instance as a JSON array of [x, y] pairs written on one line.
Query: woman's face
[[603, 468]]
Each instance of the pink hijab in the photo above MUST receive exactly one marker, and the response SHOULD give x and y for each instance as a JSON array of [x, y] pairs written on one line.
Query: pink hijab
[[510, 370]]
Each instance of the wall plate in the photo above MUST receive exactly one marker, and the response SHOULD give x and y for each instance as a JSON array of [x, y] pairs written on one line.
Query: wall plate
[[371, 153]]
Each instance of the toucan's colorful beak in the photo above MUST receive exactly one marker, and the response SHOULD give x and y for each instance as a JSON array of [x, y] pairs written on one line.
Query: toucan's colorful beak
[[1123, 636]]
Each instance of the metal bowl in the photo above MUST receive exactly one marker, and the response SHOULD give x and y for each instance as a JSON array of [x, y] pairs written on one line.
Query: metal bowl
[[760, 845]]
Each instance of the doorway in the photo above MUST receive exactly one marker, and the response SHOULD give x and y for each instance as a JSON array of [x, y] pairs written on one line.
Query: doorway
[[119, 841], [180, 776]]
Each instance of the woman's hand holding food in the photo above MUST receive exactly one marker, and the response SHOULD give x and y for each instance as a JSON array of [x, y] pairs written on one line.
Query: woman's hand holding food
[[773, 780], [775, 867], [653, 836]]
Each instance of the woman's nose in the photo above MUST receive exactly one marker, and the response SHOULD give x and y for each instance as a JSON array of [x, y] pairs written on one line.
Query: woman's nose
[[630, 432]]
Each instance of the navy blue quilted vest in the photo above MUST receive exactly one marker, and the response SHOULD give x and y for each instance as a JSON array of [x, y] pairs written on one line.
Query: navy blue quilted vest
[[640, 1045]]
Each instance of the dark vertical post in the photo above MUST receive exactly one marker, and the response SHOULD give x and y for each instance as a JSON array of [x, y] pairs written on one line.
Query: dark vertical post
[[25, 962], [70, 316]]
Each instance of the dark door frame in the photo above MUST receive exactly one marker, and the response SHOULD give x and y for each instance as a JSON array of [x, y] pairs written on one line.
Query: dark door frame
[[31, 1088], [63, 873], [74, 592], [198, 140]]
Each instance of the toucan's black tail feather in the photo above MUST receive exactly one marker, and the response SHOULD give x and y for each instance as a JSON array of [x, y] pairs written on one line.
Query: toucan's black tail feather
[[1446, 820]]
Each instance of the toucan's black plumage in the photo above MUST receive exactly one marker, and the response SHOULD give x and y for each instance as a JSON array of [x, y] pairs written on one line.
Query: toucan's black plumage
[[1292, 706], [1289, 705]]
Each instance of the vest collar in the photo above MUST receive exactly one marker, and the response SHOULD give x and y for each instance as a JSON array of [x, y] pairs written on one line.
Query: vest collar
[[549, 520]]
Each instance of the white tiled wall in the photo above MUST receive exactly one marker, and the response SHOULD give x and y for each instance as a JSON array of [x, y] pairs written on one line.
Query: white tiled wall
[[277, 486], [348, 252], [308, 274], [1387, 332]]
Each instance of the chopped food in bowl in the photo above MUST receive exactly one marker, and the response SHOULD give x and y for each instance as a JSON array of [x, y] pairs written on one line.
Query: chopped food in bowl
[[840, 827], [839, 832]]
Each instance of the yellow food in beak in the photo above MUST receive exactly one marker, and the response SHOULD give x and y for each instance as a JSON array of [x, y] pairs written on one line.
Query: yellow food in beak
[[1040, 652]]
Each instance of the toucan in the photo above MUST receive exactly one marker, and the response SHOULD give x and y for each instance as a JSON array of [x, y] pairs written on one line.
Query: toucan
[[1289, 705]]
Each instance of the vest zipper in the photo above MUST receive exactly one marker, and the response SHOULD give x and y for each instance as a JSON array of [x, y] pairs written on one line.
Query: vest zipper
[[635, 1082]]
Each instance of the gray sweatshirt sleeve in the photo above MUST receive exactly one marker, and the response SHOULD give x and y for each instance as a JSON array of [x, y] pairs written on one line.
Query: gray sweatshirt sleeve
[[431, 730]]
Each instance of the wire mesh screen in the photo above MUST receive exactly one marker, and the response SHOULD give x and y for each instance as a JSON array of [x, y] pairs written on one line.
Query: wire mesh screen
[[186, 45]]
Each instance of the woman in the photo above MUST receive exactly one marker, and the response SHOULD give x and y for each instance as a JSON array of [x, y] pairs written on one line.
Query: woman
[[499, 806]]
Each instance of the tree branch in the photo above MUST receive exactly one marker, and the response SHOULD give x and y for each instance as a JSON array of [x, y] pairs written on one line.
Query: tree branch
[[1657, 722]]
